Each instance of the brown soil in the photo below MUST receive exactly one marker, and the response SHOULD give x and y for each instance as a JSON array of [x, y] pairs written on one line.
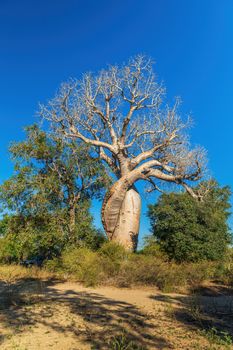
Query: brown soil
[[36, 315]]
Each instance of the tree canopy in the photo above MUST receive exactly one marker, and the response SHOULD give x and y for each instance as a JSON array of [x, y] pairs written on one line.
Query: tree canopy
[[189, 230], [48, 196]]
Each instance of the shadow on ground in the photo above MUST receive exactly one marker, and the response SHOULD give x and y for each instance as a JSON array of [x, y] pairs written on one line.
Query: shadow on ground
[[206, 308], [105, 318]]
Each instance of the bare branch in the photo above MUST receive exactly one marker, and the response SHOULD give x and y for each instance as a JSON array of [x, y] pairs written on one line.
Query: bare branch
[[121, 113]]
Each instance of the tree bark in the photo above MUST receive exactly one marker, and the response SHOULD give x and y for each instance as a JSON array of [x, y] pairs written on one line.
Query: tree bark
[[121, 215], [72, 223]]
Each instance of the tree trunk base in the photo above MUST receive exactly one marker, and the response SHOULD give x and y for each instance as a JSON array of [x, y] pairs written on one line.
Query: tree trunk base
[[127, 227]]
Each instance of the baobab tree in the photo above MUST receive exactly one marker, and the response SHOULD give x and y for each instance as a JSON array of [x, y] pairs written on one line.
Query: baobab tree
[[121, 113]]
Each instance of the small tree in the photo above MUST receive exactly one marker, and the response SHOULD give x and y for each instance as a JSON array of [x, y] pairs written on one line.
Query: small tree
[[120, 112], [188, 230]]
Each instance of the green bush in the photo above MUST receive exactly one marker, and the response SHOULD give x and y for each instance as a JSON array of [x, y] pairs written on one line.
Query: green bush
[[189, 230], [84, 264], [112, 256], [196, 273], [142, 269], [26, 239], [224, 269], [152, 247], [54, 265], [111, 264], [171, 277], [6, 252]]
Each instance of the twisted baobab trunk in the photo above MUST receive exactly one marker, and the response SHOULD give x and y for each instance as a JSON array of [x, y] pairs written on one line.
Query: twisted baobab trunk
[[121, 214]]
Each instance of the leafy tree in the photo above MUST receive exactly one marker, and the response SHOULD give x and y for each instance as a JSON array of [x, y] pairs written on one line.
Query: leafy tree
[[190, 230], [120, 112], [3, 225], [46, 236], [49, 194], [26, 238]]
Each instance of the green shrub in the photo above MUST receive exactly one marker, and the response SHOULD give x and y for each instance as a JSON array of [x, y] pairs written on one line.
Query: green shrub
[[3, 252], [113, 251], [151, 247], [142, 269], [216, 337], [170, 278], [111, 264], [189, 230], [84, 264], [224, 269], [197, 273], [112, 256], [54, 265], [123, 342]]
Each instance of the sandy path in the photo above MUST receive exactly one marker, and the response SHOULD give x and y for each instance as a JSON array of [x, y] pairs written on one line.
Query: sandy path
[[68, 316], [140, 297]]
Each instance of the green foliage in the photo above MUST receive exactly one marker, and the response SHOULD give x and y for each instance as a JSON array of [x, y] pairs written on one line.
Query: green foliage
[[84, 264], [48, 197], [112, 257], [26, 238], [51, 174], [122, 342], [92, 267], [217, 337], [224, 269], [3, 225], [85, 234], [167, 276], [47, 236], [152, 247], [111, 264], [54, 265], [188, 230], [139, 269]]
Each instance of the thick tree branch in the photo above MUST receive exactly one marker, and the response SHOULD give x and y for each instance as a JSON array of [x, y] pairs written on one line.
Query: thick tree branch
[[73, 133]]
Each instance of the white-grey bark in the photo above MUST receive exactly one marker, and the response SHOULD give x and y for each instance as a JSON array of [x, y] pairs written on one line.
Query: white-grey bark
[[120, 113], [122, 223]]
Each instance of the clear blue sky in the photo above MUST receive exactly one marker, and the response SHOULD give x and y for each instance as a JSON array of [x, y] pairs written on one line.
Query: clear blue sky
[[43, 43]]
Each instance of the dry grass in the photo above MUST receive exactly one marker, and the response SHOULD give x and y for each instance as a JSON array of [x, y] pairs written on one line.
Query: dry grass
[[39, 312], [111, 265], [12, 273]]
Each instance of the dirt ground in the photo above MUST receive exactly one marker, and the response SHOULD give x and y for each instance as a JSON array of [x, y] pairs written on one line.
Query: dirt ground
[[42, 315]]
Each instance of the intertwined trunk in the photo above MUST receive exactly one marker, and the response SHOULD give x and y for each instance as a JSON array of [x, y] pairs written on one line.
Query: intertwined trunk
[[121, 214]]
